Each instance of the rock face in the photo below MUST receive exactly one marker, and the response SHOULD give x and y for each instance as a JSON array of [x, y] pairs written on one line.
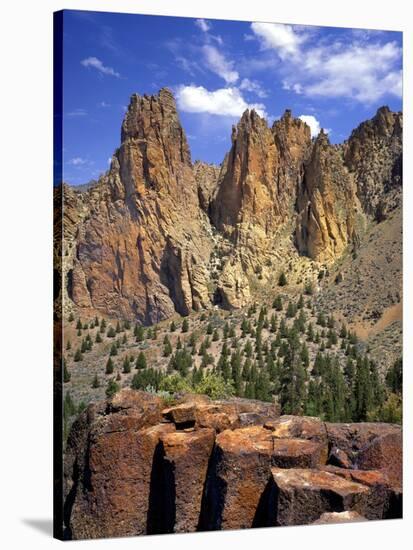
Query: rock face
[[373, 154], [141, 253], [329, 213], [134, 467], [206, 177], [254, 202], [158, 235]]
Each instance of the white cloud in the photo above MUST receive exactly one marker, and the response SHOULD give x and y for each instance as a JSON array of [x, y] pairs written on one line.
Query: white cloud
[[77, 112], [203, 25], [362, 72], [297, 88], [361, 68], [103, 104], [99, 66], [224, 101], [281, 38], [77, 161], [313, 123], [217, 63], [253, 86]]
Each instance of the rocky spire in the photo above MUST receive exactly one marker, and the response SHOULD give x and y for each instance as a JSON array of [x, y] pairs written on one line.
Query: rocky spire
[[373, 154], [329, 212]]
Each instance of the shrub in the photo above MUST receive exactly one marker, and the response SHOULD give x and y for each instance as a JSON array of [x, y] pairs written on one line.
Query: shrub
[[215, 386], [110, 367], [112, 388], [175, 383], [282, 279]]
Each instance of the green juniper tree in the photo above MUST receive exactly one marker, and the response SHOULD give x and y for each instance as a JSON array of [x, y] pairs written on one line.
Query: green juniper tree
[[141, 361], [110, 367], [282, 279], [66, 374], [112, 388]]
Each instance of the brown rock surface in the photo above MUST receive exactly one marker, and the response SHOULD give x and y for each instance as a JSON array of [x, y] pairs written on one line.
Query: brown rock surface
[[206, 177], [379, 501], [181, 414], [302, 427], [186, 457], [352, 437], [134, 259], [241, 466], [373, 153], [109, 478], [129, 471], [329, 213], [384, 453], [300, 496], [157, 235]]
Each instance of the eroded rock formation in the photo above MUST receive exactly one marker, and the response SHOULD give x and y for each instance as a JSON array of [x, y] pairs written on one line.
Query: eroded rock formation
[[142, 250], [134, 466], [373, 153], [329, 213], [158, 235]]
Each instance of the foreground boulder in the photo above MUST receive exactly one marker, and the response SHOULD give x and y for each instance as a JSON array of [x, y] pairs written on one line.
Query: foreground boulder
[[134, 466], [186, 456], [299, 497], [241, 465]]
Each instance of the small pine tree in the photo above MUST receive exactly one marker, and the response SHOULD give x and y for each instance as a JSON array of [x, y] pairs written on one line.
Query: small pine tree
[[95, 382], [277, 304], [124, 338], [113, 350], [83, 347], [102, 326], [79, 325], [68, 345], [117, 327], [215, 336], [66, 374], [167, 347], [209, 329], [140, 334], [172, 327], [110, 367], [185, 325], [291, 310], [282, 279], [126, 366], [141, 361], [309, 290], [111, 333], [96, 322], [78, 355], [71, 317], [112, 388], [98, 338]]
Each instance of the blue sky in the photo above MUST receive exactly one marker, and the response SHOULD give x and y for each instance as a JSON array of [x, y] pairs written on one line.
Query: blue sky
[[334, 78]]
